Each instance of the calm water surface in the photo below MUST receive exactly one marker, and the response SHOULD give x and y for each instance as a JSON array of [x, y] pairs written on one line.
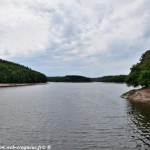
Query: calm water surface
[[67, 116]]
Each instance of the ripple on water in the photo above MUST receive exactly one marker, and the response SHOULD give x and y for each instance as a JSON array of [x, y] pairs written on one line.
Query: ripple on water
[[73, 116]]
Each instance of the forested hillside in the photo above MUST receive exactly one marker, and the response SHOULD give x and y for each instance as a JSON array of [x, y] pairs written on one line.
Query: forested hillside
[[140, 72], [15, 73], [116, 79], [77, 78], [69, 78]]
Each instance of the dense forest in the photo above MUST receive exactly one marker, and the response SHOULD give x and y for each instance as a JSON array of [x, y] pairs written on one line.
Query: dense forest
[[77, 78], [69, 78], [116, 78], [140, 72], [15, 73]]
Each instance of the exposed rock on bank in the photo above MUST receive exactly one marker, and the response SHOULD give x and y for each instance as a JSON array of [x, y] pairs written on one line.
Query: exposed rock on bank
[[19, 84], [140, 95]]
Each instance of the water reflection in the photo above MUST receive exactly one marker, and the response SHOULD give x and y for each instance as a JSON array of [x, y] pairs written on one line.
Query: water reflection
[[68, 116], [139, 123]]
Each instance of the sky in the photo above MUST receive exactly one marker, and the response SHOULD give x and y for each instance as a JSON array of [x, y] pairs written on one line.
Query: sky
[[82, 37]]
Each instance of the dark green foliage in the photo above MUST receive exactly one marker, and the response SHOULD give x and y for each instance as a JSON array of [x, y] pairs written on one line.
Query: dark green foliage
[[116, 78], [76, 78], [144, 79], [69, 78], [140, 73], [15, 73]]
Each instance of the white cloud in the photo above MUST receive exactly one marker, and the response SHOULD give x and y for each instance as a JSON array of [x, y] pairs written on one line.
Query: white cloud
[[80, 31], [23, 31]]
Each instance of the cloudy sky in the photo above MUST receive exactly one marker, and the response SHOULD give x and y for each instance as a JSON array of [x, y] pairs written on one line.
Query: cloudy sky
[[86, 37]]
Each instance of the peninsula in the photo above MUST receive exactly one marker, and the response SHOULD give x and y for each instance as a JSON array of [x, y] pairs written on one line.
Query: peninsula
[[140, 95], [139, 76], [12, 74]]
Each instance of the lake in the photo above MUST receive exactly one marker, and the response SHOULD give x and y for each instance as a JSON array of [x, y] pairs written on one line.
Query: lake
[[73, 116]]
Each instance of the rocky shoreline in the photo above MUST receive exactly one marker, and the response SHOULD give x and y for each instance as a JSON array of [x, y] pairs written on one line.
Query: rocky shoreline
[[18, 84], [140, 95]]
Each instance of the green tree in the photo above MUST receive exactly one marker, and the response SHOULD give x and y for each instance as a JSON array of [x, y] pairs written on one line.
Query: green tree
[[140, 73], [15, 73]]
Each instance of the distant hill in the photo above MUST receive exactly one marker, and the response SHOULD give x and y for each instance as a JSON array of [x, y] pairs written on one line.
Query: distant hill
[[77, 78], [15, 73], [140, 72], [115, 78], [69, 78]]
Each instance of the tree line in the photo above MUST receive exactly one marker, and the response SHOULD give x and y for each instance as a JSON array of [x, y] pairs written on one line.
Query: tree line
[[15, 73], [69, 78], [115, 78], [140, 72], [77, 78]]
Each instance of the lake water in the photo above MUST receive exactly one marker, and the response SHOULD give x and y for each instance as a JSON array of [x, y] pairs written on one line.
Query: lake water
[[73, 116]]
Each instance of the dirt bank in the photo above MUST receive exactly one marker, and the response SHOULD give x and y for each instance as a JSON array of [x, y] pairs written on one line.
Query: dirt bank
[[140, 95]]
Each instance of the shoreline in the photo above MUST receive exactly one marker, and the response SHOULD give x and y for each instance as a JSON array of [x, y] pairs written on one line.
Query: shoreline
[[139, 95], [19, 84]]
